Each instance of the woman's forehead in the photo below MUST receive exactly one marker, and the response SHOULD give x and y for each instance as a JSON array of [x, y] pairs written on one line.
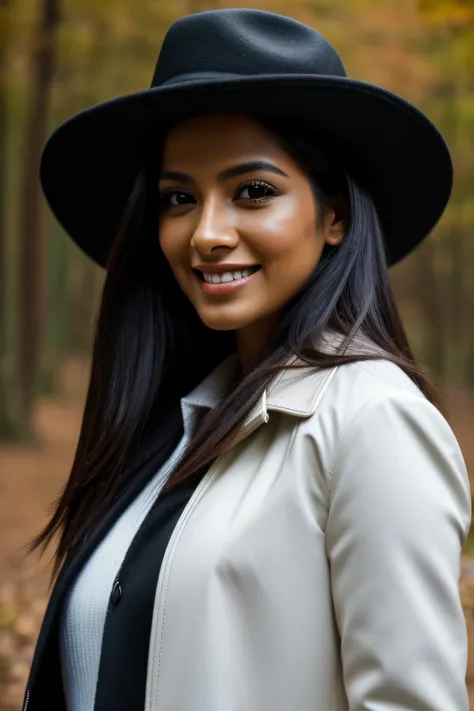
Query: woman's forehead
[[220, 136]]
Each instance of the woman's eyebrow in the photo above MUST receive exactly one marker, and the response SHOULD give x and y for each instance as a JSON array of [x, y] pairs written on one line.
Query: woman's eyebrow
[[227, 173]]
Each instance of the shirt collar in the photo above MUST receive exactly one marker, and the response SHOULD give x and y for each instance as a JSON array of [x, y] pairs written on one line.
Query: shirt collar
[[210, 391]]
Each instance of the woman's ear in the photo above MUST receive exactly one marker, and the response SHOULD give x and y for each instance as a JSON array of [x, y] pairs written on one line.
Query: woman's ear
[[336, 221]]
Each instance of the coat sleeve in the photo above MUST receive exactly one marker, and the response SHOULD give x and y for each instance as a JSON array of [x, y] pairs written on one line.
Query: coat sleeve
[[399, 513]]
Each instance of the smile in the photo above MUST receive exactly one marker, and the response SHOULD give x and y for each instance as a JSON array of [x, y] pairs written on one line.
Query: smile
[[225, 277], [225, 282]]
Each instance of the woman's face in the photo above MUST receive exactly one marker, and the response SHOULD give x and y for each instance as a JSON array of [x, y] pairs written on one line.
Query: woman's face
[[238, 221]]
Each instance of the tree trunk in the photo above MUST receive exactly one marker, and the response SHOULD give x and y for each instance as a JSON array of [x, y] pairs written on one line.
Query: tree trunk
[[468, 310], [431, 302], [32, 248], [56, 314], [456, 298], [3, 237], [8, 423]]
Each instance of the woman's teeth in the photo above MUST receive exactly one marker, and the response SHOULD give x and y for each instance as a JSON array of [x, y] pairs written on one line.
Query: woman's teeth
[[213, 278]]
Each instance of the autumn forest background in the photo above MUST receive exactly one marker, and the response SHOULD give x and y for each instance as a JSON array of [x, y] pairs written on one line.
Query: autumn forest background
[[60, 56]]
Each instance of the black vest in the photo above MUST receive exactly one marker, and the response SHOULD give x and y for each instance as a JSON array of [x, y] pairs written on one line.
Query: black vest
[[124, 655]]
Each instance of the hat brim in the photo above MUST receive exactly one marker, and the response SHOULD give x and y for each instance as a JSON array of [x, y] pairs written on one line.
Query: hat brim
[[90, 163]]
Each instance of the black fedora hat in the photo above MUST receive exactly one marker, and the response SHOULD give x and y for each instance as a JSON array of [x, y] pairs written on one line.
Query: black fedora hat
[[250, 61]]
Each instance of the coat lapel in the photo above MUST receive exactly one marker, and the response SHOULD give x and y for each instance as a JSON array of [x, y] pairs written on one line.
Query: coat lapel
[[298, 392], [295, 392]]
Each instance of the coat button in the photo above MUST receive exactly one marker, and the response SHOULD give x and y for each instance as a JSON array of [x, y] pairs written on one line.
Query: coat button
[[116, 595]]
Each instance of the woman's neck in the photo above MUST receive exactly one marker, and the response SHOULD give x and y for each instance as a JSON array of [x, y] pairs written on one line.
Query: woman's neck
[[251, 341]]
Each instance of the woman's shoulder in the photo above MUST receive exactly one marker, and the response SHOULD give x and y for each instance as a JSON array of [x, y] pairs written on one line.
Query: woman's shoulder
[[373, 409], [374, 374], [308, 390], [367, 378], [376, 391], [342, 392]]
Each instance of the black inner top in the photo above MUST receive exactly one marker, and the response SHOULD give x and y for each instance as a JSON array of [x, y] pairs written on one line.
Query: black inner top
[[124, 656]]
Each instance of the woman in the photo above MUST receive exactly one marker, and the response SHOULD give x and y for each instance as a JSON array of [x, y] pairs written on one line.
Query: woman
[[266, 509]]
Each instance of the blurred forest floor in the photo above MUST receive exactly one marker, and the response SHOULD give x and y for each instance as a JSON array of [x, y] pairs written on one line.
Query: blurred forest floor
[[30, 479]]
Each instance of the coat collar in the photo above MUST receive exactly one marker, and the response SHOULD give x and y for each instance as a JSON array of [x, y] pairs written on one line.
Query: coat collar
[[290, 392], [295, 392], [298, 392]]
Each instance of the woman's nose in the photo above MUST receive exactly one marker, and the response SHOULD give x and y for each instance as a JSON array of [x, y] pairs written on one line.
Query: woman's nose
[[214, 228]]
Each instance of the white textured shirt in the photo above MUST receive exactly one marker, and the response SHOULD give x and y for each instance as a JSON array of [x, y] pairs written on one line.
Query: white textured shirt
[[84, 612]]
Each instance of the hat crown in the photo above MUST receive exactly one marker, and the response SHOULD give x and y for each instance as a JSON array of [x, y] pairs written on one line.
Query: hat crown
[[243, 42]]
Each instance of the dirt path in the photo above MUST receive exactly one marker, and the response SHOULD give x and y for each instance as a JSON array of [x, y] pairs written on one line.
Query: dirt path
[[30, 480]]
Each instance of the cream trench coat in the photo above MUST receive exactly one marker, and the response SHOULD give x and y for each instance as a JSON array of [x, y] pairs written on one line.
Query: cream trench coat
[[316, 566]]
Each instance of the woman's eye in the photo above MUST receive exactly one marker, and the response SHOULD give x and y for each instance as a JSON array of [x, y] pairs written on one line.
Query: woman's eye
[[174, 198], [253, 191], [257, 191]]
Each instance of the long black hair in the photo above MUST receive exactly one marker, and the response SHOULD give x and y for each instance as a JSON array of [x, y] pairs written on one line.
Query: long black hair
[[151, 347]]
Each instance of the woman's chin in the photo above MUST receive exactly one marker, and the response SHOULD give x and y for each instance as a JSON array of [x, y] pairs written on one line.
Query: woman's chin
[[222, 322]]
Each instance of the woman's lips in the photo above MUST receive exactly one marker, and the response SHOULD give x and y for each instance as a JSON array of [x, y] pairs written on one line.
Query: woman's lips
[[225, 287]]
